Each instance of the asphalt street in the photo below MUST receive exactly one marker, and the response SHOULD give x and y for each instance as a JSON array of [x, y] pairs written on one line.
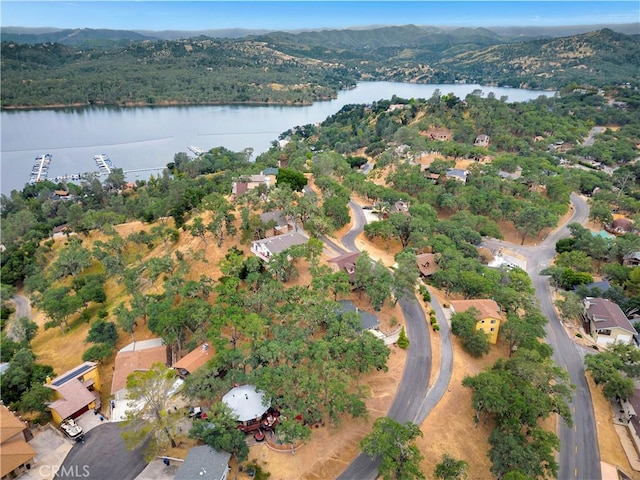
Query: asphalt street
[[579, 453], [413, 400]]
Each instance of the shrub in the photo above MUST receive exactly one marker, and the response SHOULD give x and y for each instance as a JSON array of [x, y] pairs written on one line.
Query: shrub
[[403, 341], [436, 327], [97, 353], [433, 320]]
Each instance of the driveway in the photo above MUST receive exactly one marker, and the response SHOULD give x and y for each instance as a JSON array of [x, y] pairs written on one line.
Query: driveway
[[102, 456]]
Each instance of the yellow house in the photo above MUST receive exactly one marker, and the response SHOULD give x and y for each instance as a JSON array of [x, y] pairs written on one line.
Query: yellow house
[[488, 319], [76, 392]]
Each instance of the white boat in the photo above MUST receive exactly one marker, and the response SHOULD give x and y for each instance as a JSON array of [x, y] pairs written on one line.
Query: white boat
[[72, 429], [196, 150]]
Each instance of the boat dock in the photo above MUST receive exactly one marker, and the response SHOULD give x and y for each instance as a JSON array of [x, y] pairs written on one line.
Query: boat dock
[[197, 151], [104, 163], [40, 169]]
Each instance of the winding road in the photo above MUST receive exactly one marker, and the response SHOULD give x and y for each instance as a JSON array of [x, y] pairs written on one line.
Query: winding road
[[414, 399], [579, 452], [23, 309]]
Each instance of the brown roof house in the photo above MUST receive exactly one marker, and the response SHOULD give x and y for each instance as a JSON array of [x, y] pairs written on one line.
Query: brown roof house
[[427, 263], [76, 391], [489, 318], [438, 133], [267, 247], [620, 226], [16, 455], [606, 322], [345, 263], [193, 360], [249, 182], [137, 356]]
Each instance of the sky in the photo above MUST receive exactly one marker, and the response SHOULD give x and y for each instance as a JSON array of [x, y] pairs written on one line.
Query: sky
[[296, 15]]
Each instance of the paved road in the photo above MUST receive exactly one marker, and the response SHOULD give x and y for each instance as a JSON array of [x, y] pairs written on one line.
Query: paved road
[[579, 453], [413, 400], [23, 309]]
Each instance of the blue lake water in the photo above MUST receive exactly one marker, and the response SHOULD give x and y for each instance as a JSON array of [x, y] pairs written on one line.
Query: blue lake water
[[148, 137]]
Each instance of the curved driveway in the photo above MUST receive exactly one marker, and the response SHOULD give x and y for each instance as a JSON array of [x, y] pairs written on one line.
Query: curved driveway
[[23, 310], [579, 453], [413, 400]]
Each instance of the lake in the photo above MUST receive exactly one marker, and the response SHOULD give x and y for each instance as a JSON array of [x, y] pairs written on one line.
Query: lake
[[148, 137]]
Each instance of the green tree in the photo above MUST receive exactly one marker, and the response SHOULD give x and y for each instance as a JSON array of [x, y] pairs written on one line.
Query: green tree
[[150, 418], [532, 219], [36, 399], [71, 261], [220, 431], [98, 352], [292, 178], [58, 305], [451, 469], [405, 275], [103, 332], [394, 443]]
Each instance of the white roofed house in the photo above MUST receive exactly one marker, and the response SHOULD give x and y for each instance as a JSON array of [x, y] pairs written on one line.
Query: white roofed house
[[251, 408], [267, 247], [606, 322]]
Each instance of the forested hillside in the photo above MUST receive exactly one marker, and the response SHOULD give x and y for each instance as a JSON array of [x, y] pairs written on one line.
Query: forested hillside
[[300, 68]]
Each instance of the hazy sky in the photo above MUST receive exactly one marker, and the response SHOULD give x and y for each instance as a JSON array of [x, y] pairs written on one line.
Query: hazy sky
[[203, 15]]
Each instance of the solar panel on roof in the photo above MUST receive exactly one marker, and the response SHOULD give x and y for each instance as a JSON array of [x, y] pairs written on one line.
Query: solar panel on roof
[[71, 375]]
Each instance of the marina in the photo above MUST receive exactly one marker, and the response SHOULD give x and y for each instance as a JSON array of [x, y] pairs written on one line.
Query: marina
[[40, 169]]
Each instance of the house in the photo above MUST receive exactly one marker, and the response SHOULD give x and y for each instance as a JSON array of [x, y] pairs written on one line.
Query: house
[[457, 174], [249, 182], [436, 133], [279, 222], [267, 247], [482, 141], [631, 259], [137, 356], [601, 286], [368, 321], [345, 263], [620, 226], [193, 360], [606, 322], [204, 462], [427, 264], [248, 405], [76, 391], [400, 207], [16, 455], [489, 318]]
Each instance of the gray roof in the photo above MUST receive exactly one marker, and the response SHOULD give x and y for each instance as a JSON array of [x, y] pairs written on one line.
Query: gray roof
[[603, 286], [367, 320], [246, 402], [270, 171], [203, 462], [280, 243], [275, 215], [606, 314], [632, 255]]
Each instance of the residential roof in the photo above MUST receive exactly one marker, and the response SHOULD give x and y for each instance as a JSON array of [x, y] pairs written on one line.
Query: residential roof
[[346, 262], [275, 215], [270, 171], [488, 308], [195, 359], [603, 286], [203, 462], [10, 425], [622, 224], [457, 173], [607, 314], [142, 345], [72, 374], [246, 402], [280, 243], [75, 397], [632, 256], [427, 263], [367, 320], [128, 361], [13, 454]]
